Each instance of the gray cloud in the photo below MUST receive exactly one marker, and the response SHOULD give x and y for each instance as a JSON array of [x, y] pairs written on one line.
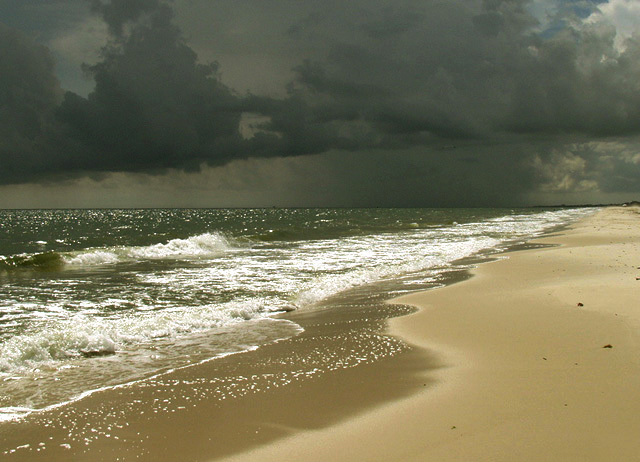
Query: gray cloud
[[118, 13], [463, 72], [29, 95], [154, 105], [337, 178], [483, 92]]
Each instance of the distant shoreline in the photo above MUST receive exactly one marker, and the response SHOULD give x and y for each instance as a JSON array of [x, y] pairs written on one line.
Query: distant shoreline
[[306, 207]]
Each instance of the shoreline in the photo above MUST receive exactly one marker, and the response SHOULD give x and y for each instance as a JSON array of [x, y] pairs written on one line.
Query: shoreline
[[231, 404], [540, 356], [421, 395]]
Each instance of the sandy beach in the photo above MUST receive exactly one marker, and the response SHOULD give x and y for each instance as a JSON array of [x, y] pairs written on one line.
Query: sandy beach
[[536, 356], [541, 361]]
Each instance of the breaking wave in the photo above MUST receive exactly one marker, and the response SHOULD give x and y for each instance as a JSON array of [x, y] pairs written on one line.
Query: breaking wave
[[83, 336], [196, 247]]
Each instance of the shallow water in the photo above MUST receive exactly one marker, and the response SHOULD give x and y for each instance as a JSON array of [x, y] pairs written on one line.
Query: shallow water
[[96, 298]]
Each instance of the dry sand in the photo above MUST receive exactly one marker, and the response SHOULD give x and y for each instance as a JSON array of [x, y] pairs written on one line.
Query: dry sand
[[542, 362]]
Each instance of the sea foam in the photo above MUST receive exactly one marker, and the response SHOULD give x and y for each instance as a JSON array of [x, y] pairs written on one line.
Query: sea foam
[[84, 336], [203, 245]]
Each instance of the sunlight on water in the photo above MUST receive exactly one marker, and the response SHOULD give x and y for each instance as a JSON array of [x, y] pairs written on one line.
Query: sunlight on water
[[97, 298]]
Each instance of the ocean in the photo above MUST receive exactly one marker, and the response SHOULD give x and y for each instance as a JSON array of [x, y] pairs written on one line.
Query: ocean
[[94, 299]]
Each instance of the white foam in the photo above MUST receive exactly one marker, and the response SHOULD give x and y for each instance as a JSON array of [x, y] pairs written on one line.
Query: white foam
[[370, 259], [208, 244], [8, 413], [203, 245], [89, 336], [13, 413], [420, 255], [92, 258]]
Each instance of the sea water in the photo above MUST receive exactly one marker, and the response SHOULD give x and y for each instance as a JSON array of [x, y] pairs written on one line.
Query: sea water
[[91, 299]]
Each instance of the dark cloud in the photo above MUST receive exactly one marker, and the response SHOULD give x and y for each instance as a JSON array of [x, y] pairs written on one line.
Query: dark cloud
[[41, 18], [578, 82], [463, 72], [486, 92], [29, 95], [391, 22], [154, 105], [117, 13]]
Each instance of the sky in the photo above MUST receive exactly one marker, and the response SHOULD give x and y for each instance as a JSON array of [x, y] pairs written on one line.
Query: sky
[[253, 103]]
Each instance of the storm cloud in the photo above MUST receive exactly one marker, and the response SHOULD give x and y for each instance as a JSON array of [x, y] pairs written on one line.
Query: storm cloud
[[454, 70], [154, 105], [29, 95], [490, 97]]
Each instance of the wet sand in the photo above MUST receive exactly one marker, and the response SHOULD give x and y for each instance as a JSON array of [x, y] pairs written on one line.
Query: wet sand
[[540, 355], [340, 366]]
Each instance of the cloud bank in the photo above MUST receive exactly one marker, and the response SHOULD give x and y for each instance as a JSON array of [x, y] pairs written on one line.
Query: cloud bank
[[492, 97]]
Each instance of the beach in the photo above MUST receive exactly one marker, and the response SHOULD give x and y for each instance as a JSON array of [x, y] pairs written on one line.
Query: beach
[[531, 356], [540, 355]]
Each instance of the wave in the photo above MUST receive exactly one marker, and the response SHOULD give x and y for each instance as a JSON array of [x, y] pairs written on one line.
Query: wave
[[39, 261], [86, 337], [429, 249], [201, 246], [430, 256]]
